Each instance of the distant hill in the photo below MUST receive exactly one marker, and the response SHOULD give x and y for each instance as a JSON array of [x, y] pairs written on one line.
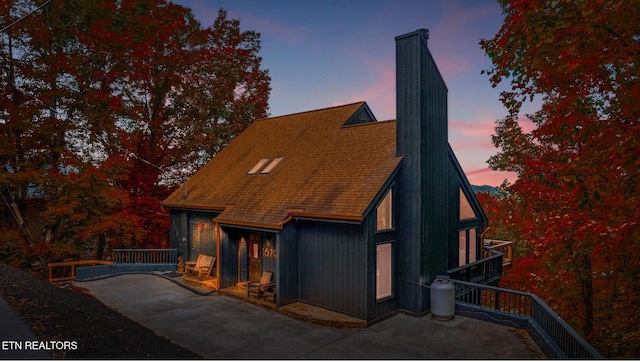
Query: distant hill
[[484, 188]]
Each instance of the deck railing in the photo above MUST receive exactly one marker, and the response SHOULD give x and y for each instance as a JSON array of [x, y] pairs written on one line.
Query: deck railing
[[485, 271], [62, 269], [145, 256], [502, 246], [553, 335]]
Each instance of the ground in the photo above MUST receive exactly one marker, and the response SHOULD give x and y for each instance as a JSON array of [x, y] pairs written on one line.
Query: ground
[[68, 314]]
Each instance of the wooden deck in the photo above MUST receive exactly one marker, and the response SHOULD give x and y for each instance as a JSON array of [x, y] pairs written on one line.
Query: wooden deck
[[502, 246]]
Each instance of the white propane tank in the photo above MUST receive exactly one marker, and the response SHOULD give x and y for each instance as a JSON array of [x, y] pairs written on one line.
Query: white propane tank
[[443, 298]]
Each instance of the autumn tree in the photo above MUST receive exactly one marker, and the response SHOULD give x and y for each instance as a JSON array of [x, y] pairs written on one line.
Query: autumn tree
[[108, 105], [578, 187]]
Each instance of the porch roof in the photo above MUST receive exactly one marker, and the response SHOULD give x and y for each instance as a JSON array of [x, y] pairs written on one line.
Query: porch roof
[[327, 170]]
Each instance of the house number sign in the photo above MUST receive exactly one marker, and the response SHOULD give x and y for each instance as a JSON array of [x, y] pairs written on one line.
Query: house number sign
[[269, 252]]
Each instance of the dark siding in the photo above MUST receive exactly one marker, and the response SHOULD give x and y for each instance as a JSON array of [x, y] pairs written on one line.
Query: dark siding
[[454, 214], [228, 258], [179, 234], [423, 180], [269, 261], [193, 233], [379, 309], [202, 236], [287, 248], [332, 266]]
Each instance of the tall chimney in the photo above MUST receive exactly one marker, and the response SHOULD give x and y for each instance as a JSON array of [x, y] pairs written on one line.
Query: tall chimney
[[421, 116]]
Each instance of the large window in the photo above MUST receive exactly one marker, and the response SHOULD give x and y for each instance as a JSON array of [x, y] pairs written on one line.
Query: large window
[[467, 250], [384, 213], [384, 270], [466, 212]]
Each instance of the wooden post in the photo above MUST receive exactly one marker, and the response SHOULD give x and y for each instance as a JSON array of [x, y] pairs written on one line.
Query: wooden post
[[218, 256]]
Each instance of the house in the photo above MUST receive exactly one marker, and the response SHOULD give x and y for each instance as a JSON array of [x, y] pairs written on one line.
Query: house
[[348, 213]]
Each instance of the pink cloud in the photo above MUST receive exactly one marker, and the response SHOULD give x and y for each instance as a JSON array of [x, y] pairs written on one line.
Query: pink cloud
[[480, 170], [481, 127], [380, 92], [461, 145]]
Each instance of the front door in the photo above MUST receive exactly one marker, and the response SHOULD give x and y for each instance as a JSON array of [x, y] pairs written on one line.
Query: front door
[[255, 270]]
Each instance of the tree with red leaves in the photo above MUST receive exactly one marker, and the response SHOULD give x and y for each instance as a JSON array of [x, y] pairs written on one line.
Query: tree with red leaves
[[107, 106], [578, 188]]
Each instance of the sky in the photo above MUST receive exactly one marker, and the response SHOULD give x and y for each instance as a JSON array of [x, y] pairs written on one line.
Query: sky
[[333, 52]]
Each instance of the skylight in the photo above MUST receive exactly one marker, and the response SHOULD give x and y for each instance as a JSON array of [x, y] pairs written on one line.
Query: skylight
[[258, 166], [273, 164]]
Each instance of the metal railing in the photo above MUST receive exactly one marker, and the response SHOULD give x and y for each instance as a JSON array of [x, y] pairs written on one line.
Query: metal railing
[[485, 271], [145, 256], [553, 335]]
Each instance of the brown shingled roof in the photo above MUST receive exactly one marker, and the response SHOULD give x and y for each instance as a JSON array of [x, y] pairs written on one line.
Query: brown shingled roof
[[328, 170]]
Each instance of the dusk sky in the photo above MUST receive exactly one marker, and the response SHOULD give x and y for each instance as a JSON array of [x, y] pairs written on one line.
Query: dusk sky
[[328, 53]]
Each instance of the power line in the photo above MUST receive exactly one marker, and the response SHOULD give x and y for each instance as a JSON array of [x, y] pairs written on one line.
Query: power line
[[24, 17], [125, 151]]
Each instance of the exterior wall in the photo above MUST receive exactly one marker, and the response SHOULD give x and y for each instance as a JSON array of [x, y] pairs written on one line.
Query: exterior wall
[[202, 236], [178, 234], [457, 181], [378, 309], [332, 266], [193, 233], [228, 258], [287, 249], [421, 100], [269, 255], [453, 214]]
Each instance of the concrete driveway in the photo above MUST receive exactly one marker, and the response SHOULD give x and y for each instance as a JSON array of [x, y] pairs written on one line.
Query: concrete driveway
[[221, 327]]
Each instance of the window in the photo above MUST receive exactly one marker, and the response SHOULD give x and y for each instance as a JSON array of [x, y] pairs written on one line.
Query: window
[[384, 214], [384, 270], [273, 164], [472, 245], [258, 166], [467, 250], [466, 212]]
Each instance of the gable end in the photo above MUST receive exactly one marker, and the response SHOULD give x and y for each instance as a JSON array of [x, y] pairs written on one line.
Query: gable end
[[362, 115]]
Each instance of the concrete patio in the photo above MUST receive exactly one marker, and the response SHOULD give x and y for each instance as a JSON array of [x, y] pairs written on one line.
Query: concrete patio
[[221, 327]]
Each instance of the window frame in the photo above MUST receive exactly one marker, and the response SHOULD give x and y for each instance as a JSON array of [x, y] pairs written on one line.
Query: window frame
[[390, 285], [465, 205], [467, 251], [391, 227]]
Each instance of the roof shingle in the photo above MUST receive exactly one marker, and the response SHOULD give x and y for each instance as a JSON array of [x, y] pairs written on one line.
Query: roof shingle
[[327, 170]]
